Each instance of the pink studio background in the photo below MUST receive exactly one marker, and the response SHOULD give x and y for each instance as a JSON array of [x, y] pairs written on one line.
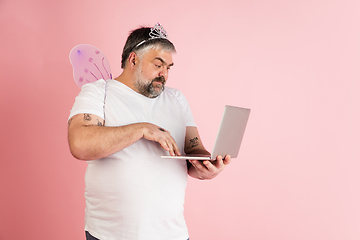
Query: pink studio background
[[294, 63]]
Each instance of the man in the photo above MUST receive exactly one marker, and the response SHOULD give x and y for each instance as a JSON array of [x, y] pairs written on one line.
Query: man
[[122, 127]]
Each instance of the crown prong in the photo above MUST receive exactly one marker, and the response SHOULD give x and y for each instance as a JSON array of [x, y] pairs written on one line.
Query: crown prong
[[157, 31]]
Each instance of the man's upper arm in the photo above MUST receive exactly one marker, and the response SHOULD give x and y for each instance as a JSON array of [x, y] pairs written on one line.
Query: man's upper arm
[[85, 119], [79, 121], [193, 142], [79, 134]]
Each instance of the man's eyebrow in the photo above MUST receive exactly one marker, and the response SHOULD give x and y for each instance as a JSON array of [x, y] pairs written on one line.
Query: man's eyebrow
[[163, 62]]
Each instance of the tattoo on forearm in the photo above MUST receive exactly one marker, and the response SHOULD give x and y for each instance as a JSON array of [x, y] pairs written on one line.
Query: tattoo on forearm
[[70, 120], [99, 123], [87, 117], [193, 142]]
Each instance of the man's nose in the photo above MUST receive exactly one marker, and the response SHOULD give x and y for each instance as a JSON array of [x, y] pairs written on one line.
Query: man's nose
[[164, 73]]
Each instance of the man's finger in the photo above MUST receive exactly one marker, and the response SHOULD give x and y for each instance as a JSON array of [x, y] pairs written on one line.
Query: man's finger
[[197, 164], [176, 149], [173, 147], [170, 146], [209, 165], [164, 145], [227, 159]]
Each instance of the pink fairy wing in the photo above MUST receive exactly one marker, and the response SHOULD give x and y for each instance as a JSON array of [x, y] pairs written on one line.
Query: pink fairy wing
[[89, 64]]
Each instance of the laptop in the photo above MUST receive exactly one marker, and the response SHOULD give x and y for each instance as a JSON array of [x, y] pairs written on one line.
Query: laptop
[[229, 137]]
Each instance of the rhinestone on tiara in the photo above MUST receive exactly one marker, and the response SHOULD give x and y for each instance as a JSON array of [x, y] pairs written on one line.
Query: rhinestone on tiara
[[156, 32]]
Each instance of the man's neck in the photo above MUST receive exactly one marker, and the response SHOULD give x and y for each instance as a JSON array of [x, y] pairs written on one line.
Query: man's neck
[[126, 78]]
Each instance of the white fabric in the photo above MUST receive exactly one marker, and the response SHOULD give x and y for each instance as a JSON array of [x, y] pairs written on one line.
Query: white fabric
[[134, 194]]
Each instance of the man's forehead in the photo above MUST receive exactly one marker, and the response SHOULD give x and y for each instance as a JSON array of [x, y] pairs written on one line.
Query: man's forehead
[[157, 54]]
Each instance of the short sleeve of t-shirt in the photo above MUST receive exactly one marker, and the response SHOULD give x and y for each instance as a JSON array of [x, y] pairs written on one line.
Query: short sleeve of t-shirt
[[90, 99], [190, 122]]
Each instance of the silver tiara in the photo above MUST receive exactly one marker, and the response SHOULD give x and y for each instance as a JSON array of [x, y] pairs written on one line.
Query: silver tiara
[[156, 32]]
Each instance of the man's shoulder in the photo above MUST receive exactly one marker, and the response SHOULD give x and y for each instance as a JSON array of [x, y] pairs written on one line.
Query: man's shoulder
[[173, 91], [176, 94], [97, 86]]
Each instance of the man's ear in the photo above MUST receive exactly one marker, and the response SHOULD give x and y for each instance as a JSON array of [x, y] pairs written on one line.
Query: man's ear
[[132, 60]]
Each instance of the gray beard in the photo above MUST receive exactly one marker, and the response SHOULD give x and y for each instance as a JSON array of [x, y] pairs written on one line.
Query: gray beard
[[147, 89]]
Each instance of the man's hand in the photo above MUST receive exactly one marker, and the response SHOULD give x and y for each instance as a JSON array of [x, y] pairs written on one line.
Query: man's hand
[[208, 169], [163, 137]]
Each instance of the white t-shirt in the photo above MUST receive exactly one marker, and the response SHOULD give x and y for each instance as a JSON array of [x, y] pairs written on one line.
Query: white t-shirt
[[134, 194]]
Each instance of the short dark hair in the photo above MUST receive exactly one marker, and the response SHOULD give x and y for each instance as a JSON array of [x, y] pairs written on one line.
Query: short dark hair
[[139, 35]]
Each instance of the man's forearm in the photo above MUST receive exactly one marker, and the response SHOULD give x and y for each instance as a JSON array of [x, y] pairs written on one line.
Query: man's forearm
[[89, 142]]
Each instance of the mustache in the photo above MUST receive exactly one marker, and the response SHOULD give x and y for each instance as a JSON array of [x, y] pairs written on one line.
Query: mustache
[[159, 79]]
